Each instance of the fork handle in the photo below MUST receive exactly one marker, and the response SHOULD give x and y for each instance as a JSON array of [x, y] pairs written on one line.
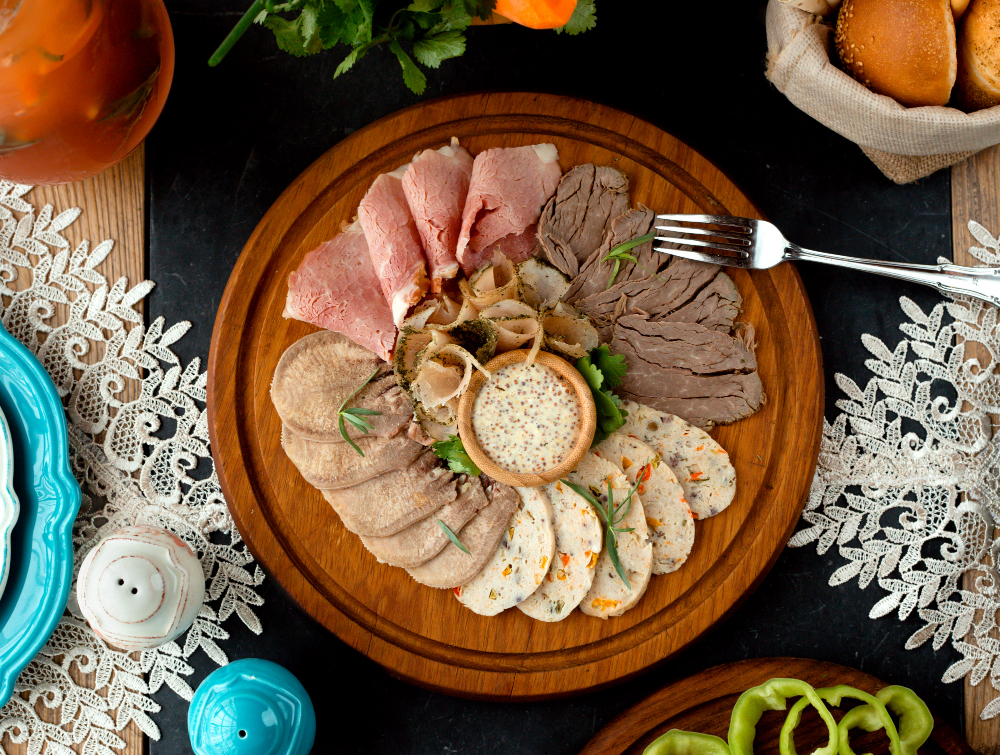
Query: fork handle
[[979, 282]]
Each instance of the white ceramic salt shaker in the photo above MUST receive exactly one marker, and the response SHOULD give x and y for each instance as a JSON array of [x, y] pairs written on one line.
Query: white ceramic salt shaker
[[140, 587]]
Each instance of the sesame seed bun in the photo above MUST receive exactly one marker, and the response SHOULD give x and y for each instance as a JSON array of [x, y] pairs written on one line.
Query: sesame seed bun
[[979, 56], [904, 49]]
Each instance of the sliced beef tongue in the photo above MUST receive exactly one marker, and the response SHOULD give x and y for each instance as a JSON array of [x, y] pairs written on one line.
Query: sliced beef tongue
[[452, 567], [392, 502], [319, 371], [704, 376], [422, 541], [574, 220]]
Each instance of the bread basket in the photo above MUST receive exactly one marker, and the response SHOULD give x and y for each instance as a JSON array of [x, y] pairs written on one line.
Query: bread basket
[[905, 143]]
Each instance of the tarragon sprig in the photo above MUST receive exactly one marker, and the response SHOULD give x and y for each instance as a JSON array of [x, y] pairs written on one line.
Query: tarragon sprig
[[612, 514], [620, 253], [354, 416], [453, 537]]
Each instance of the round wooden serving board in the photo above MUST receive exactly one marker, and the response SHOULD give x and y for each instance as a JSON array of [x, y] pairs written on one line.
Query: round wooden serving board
[[426, 635], [704, 702]]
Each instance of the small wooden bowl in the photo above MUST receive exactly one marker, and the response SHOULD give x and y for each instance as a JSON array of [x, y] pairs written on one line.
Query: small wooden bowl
[[530, 479]]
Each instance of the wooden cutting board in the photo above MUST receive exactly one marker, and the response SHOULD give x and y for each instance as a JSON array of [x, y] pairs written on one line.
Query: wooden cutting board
[[704, 702], [425, 635]]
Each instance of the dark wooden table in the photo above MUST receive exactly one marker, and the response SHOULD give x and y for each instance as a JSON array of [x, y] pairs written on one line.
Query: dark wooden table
[[231, 139]]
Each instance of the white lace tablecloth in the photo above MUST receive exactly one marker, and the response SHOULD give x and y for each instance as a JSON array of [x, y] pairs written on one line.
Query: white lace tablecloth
[[912, 505], [139, 447], [908, 482]]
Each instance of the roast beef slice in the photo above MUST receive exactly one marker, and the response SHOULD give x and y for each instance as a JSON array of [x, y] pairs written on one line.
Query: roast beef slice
[[688, 292], [422, 541], [453, 567], [701, 375], [318, 372], [596, 272], [392, 502], [573, 221], [332, 466]]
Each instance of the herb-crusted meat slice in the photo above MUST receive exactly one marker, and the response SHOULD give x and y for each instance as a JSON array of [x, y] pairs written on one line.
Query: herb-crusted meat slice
[[318, 372], [704, 376], [394, 244], [335, 287], [574, 220], [436, 185], [506, 194]]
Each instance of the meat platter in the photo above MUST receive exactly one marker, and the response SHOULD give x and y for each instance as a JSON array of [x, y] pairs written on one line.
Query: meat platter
[[469, 644]]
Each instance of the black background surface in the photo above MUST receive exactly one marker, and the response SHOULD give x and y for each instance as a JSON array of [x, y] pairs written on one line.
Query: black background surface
[[232, 138]]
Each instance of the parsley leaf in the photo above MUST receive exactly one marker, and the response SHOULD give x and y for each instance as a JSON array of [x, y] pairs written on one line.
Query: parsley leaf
[[413, 77], [453, 452], [603, 371], [290, 35], [612, 366], [584, 18], [432, 50]]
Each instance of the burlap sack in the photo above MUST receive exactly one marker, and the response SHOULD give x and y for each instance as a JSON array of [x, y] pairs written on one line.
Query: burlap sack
[[905, 143]]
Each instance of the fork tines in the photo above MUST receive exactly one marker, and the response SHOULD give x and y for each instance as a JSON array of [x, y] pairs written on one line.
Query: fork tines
[[733, 243]]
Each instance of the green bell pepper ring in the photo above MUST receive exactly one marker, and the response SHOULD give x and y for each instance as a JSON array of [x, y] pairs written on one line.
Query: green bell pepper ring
[[677, 742], [773, 695], [875, 717], [915, 720]]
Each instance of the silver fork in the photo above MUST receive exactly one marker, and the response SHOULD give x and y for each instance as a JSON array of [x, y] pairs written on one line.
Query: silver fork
[[758, 245]]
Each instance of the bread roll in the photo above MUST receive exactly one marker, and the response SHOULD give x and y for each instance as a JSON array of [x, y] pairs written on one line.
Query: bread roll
[[979, 56], [904, 49]]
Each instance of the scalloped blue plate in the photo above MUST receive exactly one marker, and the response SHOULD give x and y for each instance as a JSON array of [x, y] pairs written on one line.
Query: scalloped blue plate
[[41, 552]]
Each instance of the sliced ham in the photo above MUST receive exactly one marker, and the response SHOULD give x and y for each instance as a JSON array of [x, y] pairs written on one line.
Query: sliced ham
[[436, 185], [336, 288], [394, 243], [508, 189]]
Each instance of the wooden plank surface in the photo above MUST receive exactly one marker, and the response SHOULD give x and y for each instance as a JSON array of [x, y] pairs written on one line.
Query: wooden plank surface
[[425, 635], [113, 205], [704, 702], [975, 195]]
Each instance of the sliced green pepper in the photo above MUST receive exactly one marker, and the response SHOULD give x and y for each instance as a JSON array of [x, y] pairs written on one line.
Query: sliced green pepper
[[773, 695], [915, 720], [677, 742], [874, 717]]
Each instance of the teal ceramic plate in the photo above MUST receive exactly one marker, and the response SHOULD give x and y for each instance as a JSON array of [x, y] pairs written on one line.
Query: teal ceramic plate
[[9, 506], [41, 548]]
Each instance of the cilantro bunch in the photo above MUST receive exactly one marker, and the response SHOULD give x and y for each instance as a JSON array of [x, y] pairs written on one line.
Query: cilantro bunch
[[431, 31], [604, 371]]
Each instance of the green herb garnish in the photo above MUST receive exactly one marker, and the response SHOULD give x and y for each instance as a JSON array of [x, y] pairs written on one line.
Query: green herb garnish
[[354, 416], [453, 537], [453, 452], [620, 253], [603, 371], [431, 31], [612, 514]]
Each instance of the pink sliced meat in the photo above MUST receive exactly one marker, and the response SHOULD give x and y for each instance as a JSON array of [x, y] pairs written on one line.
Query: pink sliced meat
[[435, 185], [336, 288], [394, 243], [509, 186]]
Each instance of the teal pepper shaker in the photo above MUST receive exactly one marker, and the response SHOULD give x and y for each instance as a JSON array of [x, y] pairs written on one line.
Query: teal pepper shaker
[[251, 707]]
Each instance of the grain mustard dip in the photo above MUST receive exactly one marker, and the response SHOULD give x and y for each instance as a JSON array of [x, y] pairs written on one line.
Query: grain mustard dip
[[526, 418]]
